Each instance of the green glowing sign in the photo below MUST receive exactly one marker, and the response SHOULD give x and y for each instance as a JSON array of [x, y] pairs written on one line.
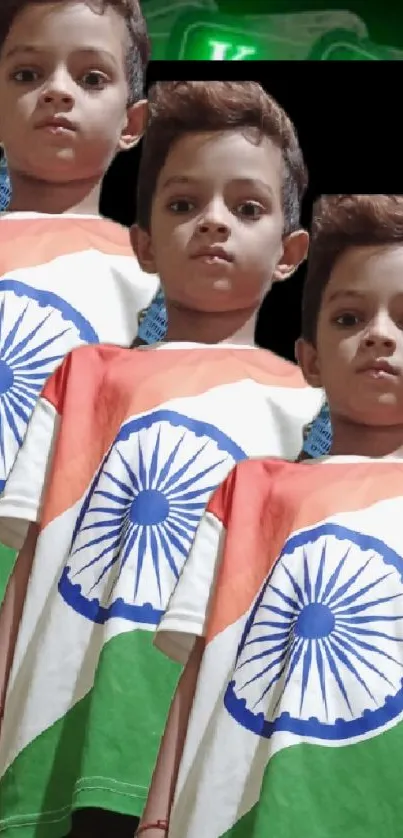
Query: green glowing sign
[[221, 46], [340, 45], [216, 38], [211, 37]]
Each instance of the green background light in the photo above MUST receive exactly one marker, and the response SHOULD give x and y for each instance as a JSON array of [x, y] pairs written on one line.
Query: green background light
[[345, 46], [198, 36], [342, 52], [213, 37], [204, 42]]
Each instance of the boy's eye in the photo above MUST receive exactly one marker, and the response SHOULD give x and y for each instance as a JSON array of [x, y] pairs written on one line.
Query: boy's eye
[[181, 205], [94, 79], [25, 76], [348, 319], [250, 209]]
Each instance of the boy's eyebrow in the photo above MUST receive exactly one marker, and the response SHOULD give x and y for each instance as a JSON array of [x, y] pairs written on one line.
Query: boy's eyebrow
[[32, 49], [186, 179], [21, 48], [176, 179], [347, 292]]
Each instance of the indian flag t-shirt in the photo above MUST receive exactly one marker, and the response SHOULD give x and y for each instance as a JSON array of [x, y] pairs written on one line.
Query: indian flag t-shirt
[[296, 728], [122, 453], [65, 280]]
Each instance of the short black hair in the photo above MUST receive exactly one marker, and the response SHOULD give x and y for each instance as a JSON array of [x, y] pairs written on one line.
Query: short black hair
[[340, 222]]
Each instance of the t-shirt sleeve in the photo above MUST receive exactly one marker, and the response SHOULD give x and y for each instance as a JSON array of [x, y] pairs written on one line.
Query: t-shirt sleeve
[[72, 426], [228, 556], [21, 499], [186, 616]]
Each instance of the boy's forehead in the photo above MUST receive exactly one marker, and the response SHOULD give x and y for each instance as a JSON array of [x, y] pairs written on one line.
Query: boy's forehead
[[223, 155], [70, 24], [361, 269]]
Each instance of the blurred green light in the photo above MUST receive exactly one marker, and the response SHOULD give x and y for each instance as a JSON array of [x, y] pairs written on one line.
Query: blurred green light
[[345, 46], [205, 42], [206, 37], [346, 52]]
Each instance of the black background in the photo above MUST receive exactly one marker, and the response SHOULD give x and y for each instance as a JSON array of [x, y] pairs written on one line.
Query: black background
[[348, 118]]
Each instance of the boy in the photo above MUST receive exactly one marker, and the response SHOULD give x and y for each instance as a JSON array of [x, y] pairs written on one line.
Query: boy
[[71, 97], [125, 447], [291, 702]]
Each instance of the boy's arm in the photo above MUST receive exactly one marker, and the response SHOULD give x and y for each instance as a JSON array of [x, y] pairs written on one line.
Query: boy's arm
[[218, 562], [162, 789], [11, 609], [20, 505], [181, 636], [64, 418], [20, 513]]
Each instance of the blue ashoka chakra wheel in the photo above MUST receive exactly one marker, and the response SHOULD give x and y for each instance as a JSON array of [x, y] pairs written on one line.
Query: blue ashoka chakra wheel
[[37, 329], [322, 651], [139, 518]]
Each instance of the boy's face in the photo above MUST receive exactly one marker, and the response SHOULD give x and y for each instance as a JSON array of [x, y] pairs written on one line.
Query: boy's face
[[358, 358], [63, 92], [216, 227]]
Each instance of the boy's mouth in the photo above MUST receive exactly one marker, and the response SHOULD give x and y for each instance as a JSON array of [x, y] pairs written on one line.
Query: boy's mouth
[[57, 124], [213, 255], [379, 368]]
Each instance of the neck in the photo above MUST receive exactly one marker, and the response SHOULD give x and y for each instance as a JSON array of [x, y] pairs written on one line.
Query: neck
[[217, 327], [366, 440], [29, 194]]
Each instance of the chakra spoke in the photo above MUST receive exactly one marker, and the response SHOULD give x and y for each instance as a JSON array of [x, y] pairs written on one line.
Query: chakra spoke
[[296, 587], [353, 597], [287, 599], [319, 576], [321, 672], [259, 656], [111, 534], [365, 606]]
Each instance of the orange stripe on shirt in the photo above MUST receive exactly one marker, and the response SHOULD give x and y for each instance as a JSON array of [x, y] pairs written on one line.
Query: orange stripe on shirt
[[88, 426], [28, 243], [98, 388], [250, 505]]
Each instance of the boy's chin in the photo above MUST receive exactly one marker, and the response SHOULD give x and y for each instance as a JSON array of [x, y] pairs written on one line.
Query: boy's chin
[[220, 303], [384, 413]]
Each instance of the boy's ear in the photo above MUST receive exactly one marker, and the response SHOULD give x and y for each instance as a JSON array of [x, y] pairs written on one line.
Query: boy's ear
[[141, 244], [135, 125], [307, 358], [295, 249]]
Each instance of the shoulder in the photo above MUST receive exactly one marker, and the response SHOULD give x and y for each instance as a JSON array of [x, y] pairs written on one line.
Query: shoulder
[[276, 370], [86, 370], [248, 486]]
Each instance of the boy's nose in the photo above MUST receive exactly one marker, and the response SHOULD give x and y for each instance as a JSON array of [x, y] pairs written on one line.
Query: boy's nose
[[381, 333], [213, 226], [50, 97], [57, 91], [215, 218], [381, 340]]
